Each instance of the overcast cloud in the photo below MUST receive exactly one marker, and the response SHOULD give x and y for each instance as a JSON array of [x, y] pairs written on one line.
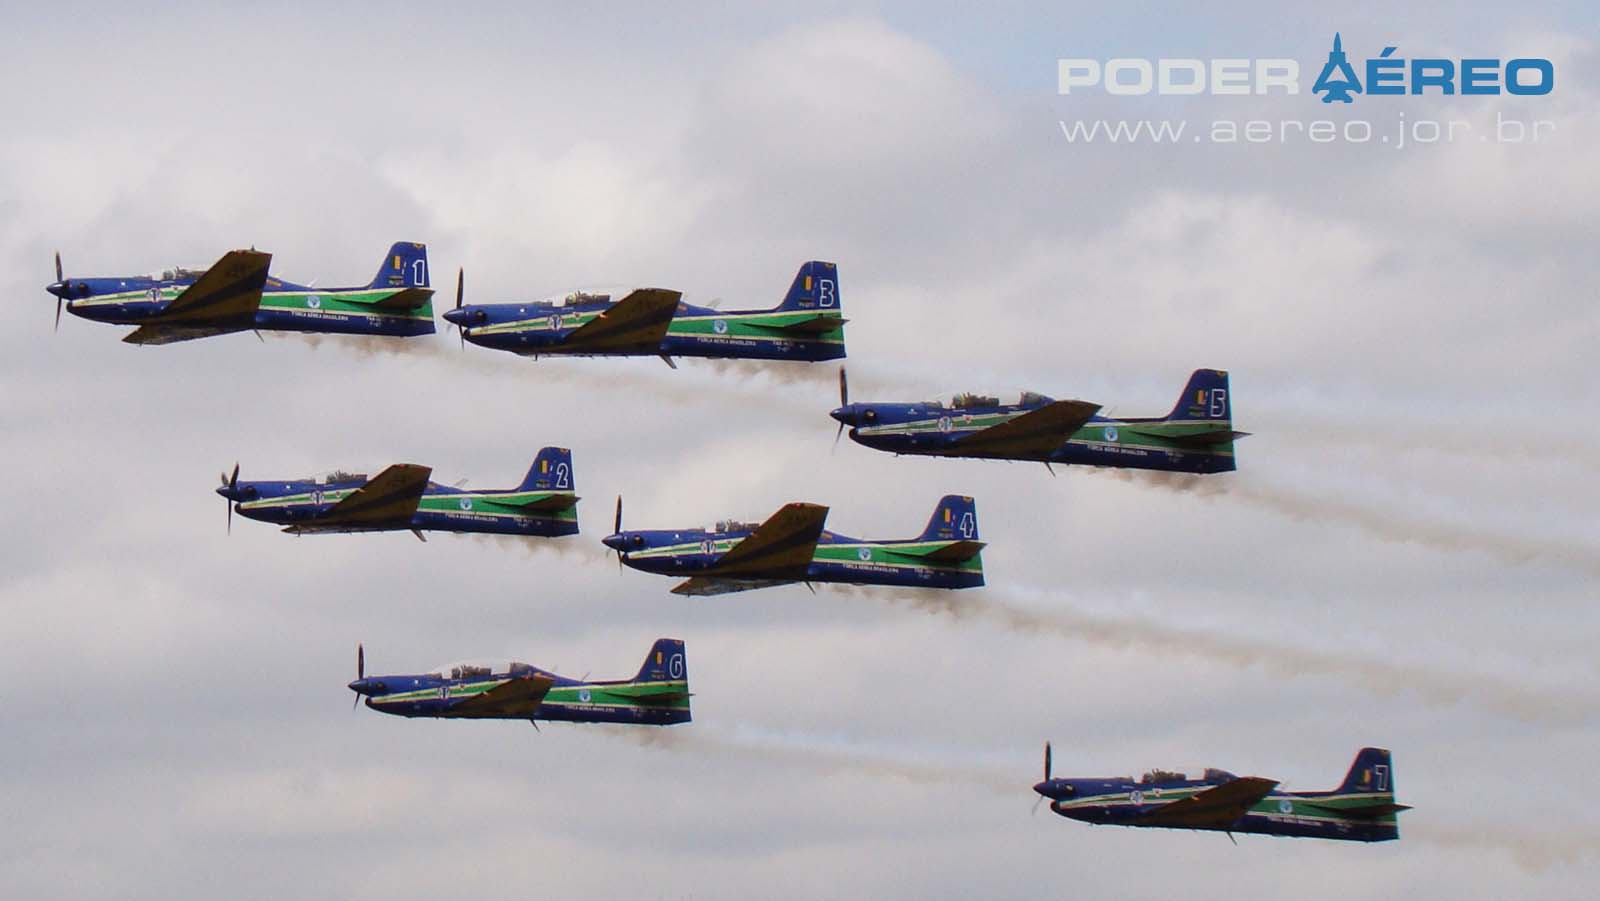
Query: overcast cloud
[[1406, 557]]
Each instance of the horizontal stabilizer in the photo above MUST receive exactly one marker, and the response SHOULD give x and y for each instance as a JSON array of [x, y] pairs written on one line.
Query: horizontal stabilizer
[[811, 325], [550, 503], [1194, 439], [405, 299], [954, 552], [662, 692], [1360, 811]]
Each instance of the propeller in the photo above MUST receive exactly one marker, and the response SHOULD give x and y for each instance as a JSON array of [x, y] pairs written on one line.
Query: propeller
[[461, 277], [230, 483], [58, 296], [361, 672], [844, 401], [1040, 799], [616, 529]]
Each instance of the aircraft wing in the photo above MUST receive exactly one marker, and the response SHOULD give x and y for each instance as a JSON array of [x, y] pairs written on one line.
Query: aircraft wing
[[639, 320], [171, 334], [781, 547], [520, 696], [1217, 807], [705, 586], [1034, 432], [230, 289], [388, 500]]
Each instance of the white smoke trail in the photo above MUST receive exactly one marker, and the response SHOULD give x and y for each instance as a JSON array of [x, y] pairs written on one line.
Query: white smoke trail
[[1379, 677], [810, 752], [571, 547], [1382, 521], [1534, 850]]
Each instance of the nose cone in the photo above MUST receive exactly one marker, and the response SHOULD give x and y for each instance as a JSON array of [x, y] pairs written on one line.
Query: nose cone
[[615, 542], [361, 687], [59, 289], [457, 316], [842, 414], [1042, 788], [225, 491]]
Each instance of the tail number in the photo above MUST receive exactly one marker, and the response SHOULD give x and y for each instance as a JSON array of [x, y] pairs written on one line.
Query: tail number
[[967, 525], [675, 666], [1382, 773], [825, 293], [563, 476], [1219, 403], [419, 272]]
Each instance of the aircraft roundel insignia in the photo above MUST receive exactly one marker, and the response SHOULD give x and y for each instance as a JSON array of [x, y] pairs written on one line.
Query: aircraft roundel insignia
[[865, 554], [313, 301], [555, 322], [583, 695], [720, 326], [1111, 434], [155, 294], [1136, 796], [945, 424], [466, 503], [1285, 806]]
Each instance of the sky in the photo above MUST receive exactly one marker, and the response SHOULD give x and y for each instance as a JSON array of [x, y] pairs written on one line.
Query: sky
[[1405, 558]]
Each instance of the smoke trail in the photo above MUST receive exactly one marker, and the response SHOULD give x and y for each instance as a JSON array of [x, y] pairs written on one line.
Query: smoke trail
[[1533, 851], [1497, 445], [779, 372], [1379, 677], [572, 547], [831, 755], [1387, 524]]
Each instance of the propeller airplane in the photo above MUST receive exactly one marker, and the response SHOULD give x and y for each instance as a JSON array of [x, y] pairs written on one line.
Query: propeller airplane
[[236, 294]]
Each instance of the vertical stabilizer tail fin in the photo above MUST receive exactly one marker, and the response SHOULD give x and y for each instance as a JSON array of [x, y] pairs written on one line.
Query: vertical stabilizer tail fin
[[405, 266], [816, 287]]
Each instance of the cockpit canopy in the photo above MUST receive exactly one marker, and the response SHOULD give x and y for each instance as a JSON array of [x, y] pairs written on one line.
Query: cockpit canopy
[[177, 272], [480, 669], [1161, 776], [971, 400], [335, 477], [734, 525]]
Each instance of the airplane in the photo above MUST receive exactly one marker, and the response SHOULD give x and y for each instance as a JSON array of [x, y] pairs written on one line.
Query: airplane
[[1197, 436], [791, 546], [657, 696], [402, 497], [236, 294], [806, 326], [1361, 809]]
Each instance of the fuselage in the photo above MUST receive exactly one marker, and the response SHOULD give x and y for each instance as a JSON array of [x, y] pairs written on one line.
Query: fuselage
[[1121, 801], [285, 306], [837, 558], [569, 700], [535, 329], [932, 429], [441, 508]]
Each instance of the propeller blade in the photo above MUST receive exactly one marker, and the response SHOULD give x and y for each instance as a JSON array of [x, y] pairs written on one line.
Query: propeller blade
[[1036, 803], [844, 389], [232, 483], [58, 314], [616, 525], [836, 436], [233, 480], [461, 278], [1047, 761], [58, 266], [361, 662]]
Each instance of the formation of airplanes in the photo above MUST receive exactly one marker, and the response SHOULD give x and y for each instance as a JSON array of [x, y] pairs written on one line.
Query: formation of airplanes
[[238, 293]]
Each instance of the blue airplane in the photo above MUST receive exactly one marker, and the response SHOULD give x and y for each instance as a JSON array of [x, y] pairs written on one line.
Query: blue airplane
[[1197, 436], [806, 326], [236, 294], [1361, 809], [792, 546], [402, 497], [657, 696]]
